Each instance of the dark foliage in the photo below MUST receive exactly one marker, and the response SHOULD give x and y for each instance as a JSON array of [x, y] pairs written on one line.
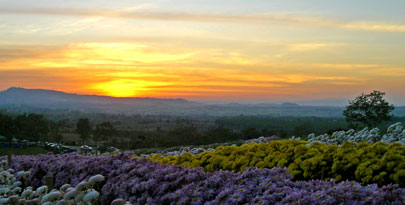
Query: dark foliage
[[83, 129], [32, 127], [368, 110]]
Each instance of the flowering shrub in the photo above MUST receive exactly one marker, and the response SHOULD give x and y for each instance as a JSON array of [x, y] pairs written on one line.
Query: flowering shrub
[[261, 139], [395, 133], [182, 150], [377, 163], [11, 191], [141, 181]]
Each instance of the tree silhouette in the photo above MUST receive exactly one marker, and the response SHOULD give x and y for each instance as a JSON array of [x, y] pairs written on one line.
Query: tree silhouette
[[368, 110], [54, 132], [104, 131], [7, 127], [31, 127], [83, 129]]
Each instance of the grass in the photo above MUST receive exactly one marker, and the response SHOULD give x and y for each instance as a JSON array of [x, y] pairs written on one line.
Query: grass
[[22, 151]]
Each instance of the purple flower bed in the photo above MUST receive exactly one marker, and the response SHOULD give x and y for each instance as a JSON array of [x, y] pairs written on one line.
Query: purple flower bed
[[141, 181]]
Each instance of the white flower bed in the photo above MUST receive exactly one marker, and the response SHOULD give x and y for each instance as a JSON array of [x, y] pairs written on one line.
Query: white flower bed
[[395, 133], [199, 150], [12, 193], [182, 150], [261, 139]]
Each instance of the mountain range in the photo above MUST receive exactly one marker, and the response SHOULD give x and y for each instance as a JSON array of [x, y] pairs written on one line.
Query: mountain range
[[40, 100]]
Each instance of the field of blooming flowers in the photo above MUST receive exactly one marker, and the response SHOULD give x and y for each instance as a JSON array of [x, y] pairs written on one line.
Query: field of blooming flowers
[[376, 163], [395, 133], [342, 156], [13, 190], [174, 151], [344, 168], [142, 181]]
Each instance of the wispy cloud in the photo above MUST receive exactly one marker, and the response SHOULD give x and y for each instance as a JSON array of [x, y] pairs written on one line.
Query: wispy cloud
[[374, 26], [131, 69], [211, 18], [136, 69], [307, 46], [303, 47]]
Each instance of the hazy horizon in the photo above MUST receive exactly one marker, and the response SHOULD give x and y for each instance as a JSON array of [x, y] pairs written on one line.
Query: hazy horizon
[[310, 102], [208, 51]]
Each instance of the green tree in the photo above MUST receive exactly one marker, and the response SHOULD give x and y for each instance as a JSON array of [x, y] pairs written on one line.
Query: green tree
[[32, 127], [219, 134], [7, 128], [368, 110], [83, 129], [302, 130], [283, 133], [104, 131], [250, 133], [136, 142], [184, 134], [54, 132]]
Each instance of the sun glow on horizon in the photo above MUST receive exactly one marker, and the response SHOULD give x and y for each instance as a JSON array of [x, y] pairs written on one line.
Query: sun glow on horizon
[[204, 50], [125, 88], [128, 69]]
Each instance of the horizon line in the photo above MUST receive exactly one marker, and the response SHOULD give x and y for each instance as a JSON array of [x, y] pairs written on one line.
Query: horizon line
[[302, 102]]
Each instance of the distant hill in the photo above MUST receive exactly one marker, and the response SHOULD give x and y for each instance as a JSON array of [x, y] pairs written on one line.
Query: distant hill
[[51, 99], [23, 95], [39, 100]]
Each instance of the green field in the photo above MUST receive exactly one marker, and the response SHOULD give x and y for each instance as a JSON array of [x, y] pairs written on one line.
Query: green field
[[23, 151]]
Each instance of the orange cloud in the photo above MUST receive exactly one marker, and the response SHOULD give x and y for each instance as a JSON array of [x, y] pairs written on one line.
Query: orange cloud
[[133, 69], [210, 17]]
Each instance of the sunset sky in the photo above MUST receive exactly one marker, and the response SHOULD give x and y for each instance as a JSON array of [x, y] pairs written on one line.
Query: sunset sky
[[211, 50]]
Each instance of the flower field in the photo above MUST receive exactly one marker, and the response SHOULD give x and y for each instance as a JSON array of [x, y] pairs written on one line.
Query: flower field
[[142, 181], [377, 163], [395, 133], [361, 168], [342, 156], [11, 191]]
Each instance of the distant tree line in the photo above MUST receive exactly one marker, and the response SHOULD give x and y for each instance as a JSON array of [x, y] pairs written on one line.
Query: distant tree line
[[189, 134], [102, 132], [283, 126], [32, 127], [35, 127], [136, 131]]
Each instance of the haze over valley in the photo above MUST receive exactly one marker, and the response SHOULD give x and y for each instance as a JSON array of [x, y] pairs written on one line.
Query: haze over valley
[[39, 100]]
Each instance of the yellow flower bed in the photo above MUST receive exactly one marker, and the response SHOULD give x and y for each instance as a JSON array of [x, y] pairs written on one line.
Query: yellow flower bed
[[377, 163]]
